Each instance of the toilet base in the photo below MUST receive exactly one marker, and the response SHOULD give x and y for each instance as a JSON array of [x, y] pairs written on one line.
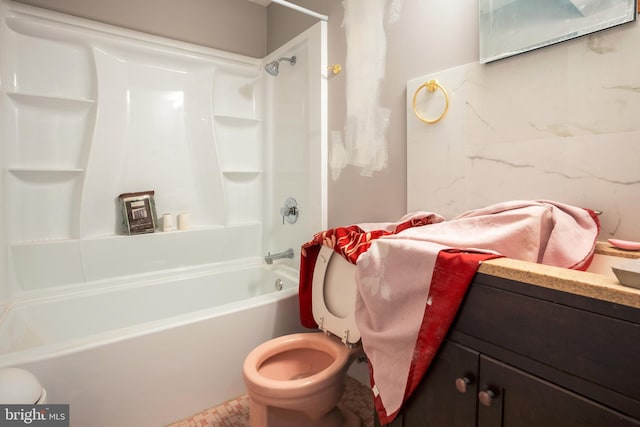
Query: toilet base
[[340, 416]]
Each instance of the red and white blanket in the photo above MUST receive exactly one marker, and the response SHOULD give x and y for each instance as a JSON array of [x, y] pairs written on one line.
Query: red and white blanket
[[350, 242], [413, 275]]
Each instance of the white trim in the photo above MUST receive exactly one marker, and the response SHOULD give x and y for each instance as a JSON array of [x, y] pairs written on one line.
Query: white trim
[[301, 9]]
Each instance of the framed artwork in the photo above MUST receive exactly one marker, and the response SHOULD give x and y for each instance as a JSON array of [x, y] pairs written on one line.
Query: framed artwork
[[138, 212], [511, 27]]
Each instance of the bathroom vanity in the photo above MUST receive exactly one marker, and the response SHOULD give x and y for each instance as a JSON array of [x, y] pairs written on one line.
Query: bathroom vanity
[[535, 346]]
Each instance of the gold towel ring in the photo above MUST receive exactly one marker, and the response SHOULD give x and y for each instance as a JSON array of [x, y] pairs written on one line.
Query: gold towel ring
[[431, 86]]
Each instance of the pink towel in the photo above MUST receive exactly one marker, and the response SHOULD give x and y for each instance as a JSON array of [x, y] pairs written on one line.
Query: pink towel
[[411, 284], [350, 242]]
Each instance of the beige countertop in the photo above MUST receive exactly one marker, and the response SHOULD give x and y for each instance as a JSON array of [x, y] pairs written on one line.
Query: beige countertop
[[576, 282]]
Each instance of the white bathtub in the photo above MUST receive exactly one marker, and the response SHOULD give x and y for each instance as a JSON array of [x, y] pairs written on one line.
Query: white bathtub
[[150, 352]]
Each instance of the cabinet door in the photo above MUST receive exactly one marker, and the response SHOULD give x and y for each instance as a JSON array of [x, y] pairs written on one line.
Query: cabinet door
[[447, 394], [512, 398]]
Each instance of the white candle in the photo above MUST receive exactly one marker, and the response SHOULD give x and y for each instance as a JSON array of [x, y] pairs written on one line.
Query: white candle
[[167, 222], [183, 221]]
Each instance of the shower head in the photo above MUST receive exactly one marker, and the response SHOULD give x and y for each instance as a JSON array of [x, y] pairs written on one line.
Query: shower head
[[273, 67]]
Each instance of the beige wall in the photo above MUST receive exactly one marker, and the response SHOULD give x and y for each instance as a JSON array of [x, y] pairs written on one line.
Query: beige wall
[[283, 23], [231, 25], [430, 36]]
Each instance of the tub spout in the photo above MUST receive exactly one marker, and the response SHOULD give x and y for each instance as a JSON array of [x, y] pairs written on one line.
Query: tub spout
[[286, 254]]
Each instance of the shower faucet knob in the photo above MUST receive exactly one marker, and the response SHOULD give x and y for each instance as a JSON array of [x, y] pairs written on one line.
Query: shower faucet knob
[[290, 211]]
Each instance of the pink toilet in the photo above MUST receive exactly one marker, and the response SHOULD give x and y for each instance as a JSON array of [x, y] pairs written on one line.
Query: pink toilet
[[298, 380]]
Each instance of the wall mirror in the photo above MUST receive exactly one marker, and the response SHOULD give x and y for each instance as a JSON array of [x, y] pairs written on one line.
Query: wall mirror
[[510, 27]]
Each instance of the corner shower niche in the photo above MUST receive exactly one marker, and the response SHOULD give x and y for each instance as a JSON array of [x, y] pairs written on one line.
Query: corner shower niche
[[238, 134], [91, 111], [49, 115]]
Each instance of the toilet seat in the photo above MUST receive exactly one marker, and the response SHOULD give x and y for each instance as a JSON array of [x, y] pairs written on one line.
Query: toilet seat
[[333, 296]]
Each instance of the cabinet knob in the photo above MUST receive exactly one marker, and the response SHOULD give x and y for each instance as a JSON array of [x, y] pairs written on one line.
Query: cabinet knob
[[462, 384], [486, 397]]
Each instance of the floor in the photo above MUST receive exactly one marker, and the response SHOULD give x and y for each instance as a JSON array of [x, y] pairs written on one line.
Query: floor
[[235, 413]]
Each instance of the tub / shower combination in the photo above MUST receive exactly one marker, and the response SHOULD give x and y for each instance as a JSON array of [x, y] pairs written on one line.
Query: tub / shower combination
[[146, 330], [150, 352]]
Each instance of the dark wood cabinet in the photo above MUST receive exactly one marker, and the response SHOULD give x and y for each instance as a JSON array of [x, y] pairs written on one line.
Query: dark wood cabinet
[[523, 400], [447, 396], [524, 356]]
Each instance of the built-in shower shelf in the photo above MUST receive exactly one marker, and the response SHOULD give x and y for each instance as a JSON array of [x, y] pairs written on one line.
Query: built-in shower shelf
[[35, 243], [241, 174], [36, 174], [57, 101], [236, 119]]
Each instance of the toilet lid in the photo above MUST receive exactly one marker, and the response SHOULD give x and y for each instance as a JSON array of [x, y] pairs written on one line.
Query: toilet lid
[[334, 295]]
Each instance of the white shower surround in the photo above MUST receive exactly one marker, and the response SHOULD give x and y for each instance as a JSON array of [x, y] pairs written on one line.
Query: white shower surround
[[91, 111]]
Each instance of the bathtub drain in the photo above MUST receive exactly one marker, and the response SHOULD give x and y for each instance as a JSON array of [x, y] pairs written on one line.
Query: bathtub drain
[[279, 284]]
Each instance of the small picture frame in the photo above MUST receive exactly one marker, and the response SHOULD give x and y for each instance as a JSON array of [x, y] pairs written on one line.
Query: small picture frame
[[138, 212]]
